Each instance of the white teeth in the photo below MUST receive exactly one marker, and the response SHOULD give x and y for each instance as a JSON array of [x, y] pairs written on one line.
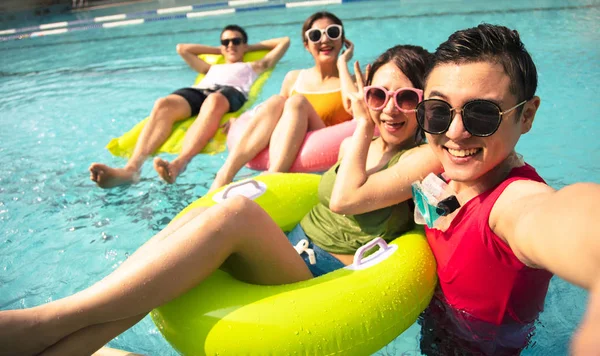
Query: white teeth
[[463, 153], [394, 124]]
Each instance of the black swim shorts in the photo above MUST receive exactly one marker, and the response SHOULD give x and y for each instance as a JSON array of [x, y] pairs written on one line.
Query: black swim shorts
[[195, 97]]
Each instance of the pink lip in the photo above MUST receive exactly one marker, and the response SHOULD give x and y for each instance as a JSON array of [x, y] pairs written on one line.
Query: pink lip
[[393, 129]]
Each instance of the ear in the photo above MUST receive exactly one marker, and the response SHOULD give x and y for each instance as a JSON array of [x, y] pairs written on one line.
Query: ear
[[528, 113]]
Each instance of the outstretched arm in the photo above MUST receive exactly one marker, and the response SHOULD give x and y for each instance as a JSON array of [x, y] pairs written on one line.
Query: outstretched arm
[[552, 229], [190, 53], [355, 191], [557, 231], [277, 48]]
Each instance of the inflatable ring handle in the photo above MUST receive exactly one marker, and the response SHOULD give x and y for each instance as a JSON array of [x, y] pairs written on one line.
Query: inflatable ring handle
[[236, 185], [358, 256]]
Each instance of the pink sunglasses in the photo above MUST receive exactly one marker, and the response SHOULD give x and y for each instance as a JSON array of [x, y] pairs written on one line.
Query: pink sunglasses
[[405, 99]]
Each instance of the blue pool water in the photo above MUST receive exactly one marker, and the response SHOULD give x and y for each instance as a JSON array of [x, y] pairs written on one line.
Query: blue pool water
[[63, 97]]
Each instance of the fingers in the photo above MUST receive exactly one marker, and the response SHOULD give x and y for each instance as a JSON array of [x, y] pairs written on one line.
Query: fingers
[[360, 82]]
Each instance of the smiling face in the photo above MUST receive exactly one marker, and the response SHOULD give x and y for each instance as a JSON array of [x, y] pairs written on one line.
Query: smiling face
[[326, 50], [467, 158], [395, 126], [233, 53]]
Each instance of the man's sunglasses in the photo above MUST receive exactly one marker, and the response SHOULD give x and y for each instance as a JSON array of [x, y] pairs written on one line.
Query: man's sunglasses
[[480, 117], [405, 99], [236, 41], [314, 35]]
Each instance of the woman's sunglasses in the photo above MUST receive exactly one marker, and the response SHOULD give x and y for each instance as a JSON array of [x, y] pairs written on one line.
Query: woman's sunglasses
[[314, 35], [480, 117], [405, 99], [236, 41]]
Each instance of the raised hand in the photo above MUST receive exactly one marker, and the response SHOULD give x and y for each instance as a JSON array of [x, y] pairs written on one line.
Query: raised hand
[[347, 53], [359, 107]]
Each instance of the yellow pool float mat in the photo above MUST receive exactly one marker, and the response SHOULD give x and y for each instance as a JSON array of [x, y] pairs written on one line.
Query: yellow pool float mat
[[345, 312], [123, 146]]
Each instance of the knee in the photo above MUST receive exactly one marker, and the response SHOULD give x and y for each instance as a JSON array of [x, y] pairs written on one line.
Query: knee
[[162, 107], [273, 104], [216, 99], [296, 102], [162, 104], [275, 101], [237, 209]]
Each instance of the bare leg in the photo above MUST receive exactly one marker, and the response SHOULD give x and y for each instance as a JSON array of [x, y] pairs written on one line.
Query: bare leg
[[237, 231], [254, 139], [197, 136], [148, 245], [90, 339], [165, 113], [298, 118]]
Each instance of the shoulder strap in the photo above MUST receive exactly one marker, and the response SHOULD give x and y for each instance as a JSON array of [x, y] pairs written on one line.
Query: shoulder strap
[[295, 86]]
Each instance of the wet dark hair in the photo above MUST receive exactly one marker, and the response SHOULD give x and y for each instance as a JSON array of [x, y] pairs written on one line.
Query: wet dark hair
[[496, 44], [238, 29], [414, 62], [317, 16]]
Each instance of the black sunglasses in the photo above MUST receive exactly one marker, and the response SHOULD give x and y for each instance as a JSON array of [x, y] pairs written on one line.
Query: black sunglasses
[[480, 117], [236, 41]]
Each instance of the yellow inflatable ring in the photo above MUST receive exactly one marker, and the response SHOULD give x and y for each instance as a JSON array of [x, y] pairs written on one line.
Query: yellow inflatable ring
[[345, 312], [123, 146]]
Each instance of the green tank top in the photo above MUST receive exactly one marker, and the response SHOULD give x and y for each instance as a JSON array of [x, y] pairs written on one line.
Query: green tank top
[[344, 234]]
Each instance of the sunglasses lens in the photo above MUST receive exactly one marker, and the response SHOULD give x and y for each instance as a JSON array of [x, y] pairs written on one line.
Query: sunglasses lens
[[407, 99], [314, 35], [376, 98], [434, 116], [235, 41], [481, 118], [334, 32]]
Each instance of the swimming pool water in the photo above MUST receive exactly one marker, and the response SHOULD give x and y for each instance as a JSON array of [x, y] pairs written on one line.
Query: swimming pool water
[[63, 97]]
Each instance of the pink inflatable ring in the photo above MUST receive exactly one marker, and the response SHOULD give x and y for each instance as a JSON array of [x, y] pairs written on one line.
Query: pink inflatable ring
[[318, 152]]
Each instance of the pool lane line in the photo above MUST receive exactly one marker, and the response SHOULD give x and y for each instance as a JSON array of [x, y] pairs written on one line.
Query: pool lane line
[[120, 20], [133, 15], [312, 3]]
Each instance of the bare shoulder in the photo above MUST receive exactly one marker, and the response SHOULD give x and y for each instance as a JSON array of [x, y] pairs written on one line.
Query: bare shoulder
[[288, 82], [292, 75], [516, 200], [521, 190]]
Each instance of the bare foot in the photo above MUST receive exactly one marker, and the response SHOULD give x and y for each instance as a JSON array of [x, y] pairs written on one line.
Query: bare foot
[[168, 171], [108, 177]]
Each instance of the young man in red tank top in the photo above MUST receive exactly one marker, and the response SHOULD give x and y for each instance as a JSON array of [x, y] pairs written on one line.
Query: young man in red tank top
[[498, 252]]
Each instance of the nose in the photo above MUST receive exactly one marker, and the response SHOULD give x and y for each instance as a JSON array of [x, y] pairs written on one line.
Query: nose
[[457, 130], [324, 37], [390, 107]]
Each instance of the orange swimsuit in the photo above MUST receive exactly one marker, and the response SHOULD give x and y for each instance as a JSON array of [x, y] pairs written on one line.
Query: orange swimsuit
[[328, 104]]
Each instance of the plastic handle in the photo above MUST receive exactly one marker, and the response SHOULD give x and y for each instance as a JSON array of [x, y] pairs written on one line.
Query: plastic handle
[[358, 256], [233, 186]]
